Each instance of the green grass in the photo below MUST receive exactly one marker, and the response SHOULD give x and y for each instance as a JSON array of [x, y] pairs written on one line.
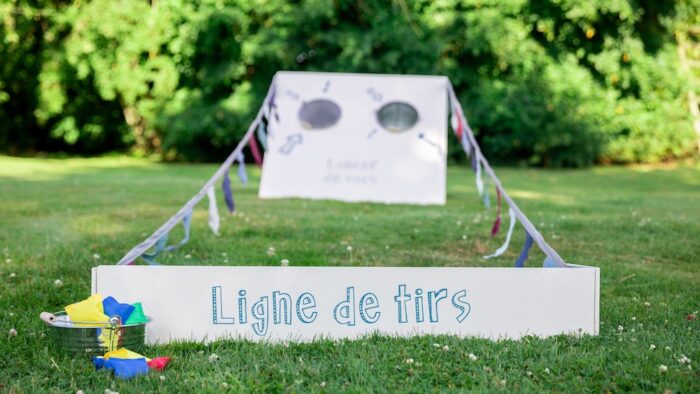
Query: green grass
[[641, 225]]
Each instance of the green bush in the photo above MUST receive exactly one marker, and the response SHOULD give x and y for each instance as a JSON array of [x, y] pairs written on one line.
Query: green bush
[[544, 82]]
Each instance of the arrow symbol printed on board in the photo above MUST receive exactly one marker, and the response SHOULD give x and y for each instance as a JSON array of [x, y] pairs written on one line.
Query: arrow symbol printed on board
[[292, 141]]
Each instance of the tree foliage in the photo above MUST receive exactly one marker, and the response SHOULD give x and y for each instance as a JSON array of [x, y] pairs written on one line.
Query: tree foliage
[[547, 82]]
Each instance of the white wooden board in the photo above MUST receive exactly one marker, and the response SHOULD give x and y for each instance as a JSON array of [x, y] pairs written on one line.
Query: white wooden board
[[302, 303]]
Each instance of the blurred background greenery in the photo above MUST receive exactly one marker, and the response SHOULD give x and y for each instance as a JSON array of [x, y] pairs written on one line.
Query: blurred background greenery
[[544, 82]]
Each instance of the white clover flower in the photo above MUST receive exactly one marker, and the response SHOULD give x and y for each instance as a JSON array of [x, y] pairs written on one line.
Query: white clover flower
[[80, 392], [224, 385], [162, 378], [8, 261], [12, 332], [684, 359], [187, 256], [464, 237], [620, 328], [408, 361], [472, 357], [96, 256], [632, 330], [445, 348], [322, 384], [349, 248], [11, 314], [436, 345], [284, 263], [668, 348], [57, 283], [652, 347], [546, 370], [634, 318], [12, 274], [271, 251], [224, 254], [528, 373], [213, 357], [663, 368], [503, 382], [647, 303], [459, 222]]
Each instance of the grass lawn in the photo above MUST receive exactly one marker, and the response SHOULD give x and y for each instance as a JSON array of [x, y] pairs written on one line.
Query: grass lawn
[[640, 225]]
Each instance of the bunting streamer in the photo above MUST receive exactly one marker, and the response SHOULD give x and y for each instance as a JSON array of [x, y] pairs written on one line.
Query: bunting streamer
[[504, 247], [262, 136], [497, 223], [549, 263], [186, 221], [465, 145], [487, 198], [242, 175], [150, 258], [256, 152], [479, 181], [214, 219], [457, 125], [161, 247], [228, 193], [520, 262]]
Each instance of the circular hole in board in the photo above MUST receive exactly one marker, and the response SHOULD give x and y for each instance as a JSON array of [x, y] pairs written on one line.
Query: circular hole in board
[[319, 114], [397, 116]]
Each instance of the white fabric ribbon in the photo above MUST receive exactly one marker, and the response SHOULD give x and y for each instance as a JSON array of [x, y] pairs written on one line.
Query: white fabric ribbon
[[214, 220], [504, 247]]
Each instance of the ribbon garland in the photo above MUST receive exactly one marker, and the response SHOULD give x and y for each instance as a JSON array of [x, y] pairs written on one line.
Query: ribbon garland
[[520, 262], [214, 220], [477, 161], [228, 193], [141, 248]]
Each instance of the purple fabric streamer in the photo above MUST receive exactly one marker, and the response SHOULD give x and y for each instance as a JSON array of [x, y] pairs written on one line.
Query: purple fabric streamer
[[497, 223], [520, 262], [242, 175], [228, 193], [474, 163]]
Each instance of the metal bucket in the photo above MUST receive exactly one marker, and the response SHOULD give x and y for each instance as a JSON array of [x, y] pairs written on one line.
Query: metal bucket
[[95, 339]]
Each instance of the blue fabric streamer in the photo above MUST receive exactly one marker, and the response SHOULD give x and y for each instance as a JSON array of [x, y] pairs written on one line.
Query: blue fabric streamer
[[150, 258], [549, 263], [487, 198], [186, 221], [466, 146], [228, 194], [262, 136], [241, 168], [520, 262]]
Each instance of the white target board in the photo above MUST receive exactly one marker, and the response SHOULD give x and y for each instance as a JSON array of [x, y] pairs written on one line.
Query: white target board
[[357, 137], [306, 303]]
